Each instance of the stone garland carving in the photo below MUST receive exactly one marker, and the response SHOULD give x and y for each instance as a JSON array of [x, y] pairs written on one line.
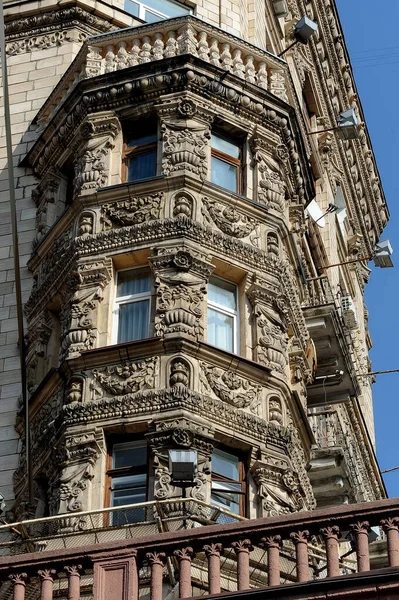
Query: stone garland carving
[[275, 412], [230, 388], [279, 490], [132, 211], [180, 281], [227, 218], [185, 148], [92, 163], [124, 380]]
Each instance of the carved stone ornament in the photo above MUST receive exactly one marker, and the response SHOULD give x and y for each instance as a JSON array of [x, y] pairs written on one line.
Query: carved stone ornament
[[227, 218], [125, 380], [93, 162], [230, 388], [270, 185], [279, 491], [132, 211], [185, 147]]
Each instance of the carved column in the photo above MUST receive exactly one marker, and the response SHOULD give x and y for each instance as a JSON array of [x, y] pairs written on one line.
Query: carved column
[[94, 143], [269, 183], [79, 315], [180, 280], [330, 535], [300, 539], [390, 526], [46, 583], [73, 574], [184, 556], [157, 562], [49, 203], [242, 548], [273, 544], [360, 531], [213, 552], [270, 327], [186, 133], [18, 582]]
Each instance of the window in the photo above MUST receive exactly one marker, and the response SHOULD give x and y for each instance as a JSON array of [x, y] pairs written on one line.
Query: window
[[140, 152], [156, 10], [128, 480], [226, 164], [227, 482], [222, 314], [132, 305]]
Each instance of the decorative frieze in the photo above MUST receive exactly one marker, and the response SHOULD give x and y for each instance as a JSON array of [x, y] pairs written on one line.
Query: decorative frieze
[[124, 380], [138, 209], [227, 219], [230, 387]]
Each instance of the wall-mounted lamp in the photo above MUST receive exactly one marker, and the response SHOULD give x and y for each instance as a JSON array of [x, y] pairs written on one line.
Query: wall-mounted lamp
[[303, 31], [347, 126], [381, 257], [183, 465], [280, 8]]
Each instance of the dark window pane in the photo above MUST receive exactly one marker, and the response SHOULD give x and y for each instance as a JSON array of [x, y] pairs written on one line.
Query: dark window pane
[[147, 138], [225, 146], [224, 174], [133, 321], [125, 456], [142, 166], [225, 464], [133, 282]]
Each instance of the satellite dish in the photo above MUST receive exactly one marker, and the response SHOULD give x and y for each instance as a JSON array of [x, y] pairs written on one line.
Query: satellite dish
[[315, 213]]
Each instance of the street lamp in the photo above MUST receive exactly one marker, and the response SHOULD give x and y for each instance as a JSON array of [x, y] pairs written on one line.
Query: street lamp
[[183, 465], [347, 126], [381, 256], [303, 31]]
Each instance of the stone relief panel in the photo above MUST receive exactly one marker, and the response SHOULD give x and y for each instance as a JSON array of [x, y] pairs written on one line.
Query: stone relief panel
[[279, 488], [227, 219], [135, 210], [269, 176], [231, 388], [125, 380], [180, 281]]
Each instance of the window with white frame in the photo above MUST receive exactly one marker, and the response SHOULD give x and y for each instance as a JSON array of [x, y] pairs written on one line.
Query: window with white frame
[[156, 10], [222, 314], [227, 489], [128, 480], [226, 163], [132, 305]]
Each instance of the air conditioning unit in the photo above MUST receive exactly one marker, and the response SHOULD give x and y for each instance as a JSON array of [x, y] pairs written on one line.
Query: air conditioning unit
[[349, 311]]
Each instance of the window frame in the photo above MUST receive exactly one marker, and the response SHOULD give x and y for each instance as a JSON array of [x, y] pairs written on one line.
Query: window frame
[[235, 314], [133, 151], [241, 481], [227, 158], [143, 7], [113, 473], [130, 299]]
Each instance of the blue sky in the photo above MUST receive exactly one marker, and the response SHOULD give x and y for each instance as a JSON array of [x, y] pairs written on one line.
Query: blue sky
[[371, 36]]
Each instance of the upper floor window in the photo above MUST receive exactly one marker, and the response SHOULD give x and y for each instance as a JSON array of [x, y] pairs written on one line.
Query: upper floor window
[[128, 480], [227, 482], [132, 305], [156, 10], [140, 152], [226, 163], [222, 314]]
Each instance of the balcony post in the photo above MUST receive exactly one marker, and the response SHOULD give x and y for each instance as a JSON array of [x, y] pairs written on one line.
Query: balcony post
[[330, 535], [184, 556], [157, 562], [242, 548], [360, 530], [390, 527], [18, 582], [73, 573], [213, 552], [300, 539], [46, 583], [272, 544]]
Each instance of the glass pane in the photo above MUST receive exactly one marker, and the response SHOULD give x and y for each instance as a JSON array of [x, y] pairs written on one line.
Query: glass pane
[[137, 281], [133, 321], [132, 8], [225, 146], [142, 139], [229, 502], [129, 455], [169, 9], [222, 292], [224, 174], [129, 484], [142, 166], [225, 464], [220, 330], [151, 17]]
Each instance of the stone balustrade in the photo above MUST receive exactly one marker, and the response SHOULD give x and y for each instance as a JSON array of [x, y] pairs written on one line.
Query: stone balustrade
[[319, 292], [124, 567], [327, 429], [166, 39]]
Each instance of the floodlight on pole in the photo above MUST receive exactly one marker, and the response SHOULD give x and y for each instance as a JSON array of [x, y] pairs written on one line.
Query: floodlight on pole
[[347, 126], [381, 256], [303, 31]]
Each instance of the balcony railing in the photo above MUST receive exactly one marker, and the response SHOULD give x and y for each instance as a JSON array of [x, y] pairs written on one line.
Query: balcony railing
[[318, 292], [166, 39], [206, 560], [327, 429]]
